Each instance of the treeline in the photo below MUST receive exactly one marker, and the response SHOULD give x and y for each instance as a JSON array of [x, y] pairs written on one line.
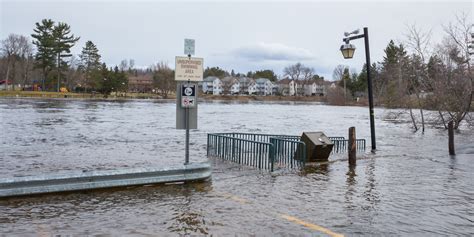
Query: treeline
[[418, 74], [45, 63]]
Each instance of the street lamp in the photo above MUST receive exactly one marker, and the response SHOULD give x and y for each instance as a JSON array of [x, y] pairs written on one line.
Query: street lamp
[[348, 50]]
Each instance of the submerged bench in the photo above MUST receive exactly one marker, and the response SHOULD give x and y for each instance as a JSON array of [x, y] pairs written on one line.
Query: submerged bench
[[75, 181]]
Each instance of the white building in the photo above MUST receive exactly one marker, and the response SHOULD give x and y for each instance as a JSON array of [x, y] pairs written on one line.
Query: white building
[[313, 88], [230, 85], [247, 86], [212, 85], [287, 87], [264, 86]]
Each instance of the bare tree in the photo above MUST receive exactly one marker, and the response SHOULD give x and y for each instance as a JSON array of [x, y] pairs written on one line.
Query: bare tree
[[123, 65], [163, 78], [455, 92], [293, 71], [418, 41], [338, 72], [10, 48], [299, 72]]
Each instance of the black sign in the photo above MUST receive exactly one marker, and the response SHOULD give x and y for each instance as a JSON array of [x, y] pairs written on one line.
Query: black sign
[[188, 90]]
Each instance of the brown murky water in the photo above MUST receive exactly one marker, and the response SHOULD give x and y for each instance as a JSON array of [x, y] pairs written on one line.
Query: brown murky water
[[409, 187]]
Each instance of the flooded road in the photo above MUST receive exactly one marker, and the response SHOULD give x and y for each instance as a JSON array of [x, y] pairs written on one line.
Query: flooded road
[[409, 187]]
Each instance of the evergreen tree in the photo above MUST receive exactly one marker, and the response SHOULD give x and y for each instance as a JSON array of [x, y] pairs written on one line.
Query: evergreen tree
[[269, 74], [216, 72], [63, 42], [44, 42], [90, 63]]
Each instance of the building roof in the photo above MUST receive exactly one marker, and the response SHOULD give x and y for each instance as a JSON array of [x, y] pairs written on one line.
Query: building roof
[[140, 79], [262, 80], [284, 81], [230, 80], [246, 80], [210, 79]]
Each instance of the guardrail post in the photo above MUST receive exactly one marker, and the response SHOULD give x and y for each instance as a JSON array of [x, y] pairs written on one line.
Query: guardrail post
[[352, 146]]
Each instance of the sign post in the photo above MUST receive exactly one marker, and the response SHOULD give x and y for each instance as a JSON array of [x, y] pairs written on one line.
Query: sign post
[[188, 71]]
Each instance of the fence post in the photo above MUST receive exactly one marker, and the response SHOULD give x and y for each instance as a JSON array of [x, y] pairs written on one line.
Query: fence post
[[451, 138], [272, 156], [352, 146], [208, 140]]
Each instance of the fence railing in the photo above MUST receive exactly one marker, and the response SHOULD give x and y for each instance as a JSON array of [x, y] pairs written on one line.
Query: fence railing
[[341, 145], [264, 151], [288, 152], [240, 150]]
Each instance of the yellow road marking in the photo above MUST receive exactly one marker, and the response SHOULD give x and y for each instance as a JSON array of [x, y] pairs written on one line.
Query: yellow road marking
[[311, 226], [235, 198], [287, 217]]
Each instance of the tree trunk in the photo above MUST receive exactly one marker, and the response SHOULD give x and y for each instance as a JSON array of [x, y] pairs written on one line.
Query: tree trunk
[[7, 75], [413, 119], [442, 119], [13, 75], [422, 121]]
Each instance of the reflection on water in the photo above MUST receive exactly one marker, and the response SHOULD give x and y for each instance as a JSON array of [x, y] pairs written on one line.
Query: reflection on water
[[409, 187]]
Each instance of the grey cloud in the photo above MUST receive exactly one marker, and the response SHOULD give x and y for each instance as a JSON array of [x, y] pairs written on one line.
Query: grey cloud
[[272, 52]]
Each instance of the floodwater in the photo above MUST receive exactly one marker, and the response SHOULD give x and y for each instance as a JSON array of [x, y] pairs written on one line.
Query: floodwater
[[409, 187]]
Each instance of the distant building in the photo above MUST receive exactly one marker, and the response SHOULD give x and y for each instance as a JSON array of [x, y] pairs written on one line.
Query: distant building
[[212, 85], [264, 86], [287, 87], [247, 86], [140, 83], [230, 85], [312, 88]]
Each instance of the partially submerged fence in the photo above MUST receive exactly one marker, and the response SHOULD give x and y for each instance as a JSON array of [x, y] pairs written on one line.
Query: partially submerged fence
[[265, 151]]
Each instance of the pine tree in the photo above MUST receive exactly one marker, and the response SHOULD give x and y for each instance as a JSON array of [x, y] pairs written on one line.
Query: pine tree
[[90, 63], [44, 41], [63, 42]]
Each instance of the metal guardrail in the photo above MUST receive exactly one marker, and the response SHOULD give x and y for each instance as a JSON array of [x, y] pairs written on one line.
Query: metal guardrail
[[79, 180], [264, 151]]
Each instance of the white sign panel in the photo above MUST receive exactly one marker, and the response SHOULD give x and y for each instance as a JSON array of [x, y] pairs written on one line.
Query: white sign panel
[[188, 69], [189, 46]]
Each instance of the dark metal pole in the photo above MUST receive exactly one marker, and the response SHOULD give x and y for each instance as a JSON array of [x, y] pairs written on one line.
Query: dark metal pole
[[369, 84], [186, 161]]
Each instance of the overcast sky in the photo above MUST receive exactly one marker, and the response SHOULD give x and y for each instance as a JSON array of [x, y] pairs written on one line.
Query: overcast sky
[[239, 35]]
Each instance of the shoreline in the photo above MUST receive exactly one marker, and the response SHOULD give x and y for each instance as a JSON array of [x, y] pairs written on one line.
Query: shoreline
[[141, 96]]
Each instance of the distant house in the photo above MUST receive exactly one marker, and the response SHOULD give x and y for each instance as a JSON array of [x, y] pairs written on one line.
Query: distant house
[[247, 86], [287, 87], [140, 83], [312, 88], [264, 86], [212, 85], [230, 85]]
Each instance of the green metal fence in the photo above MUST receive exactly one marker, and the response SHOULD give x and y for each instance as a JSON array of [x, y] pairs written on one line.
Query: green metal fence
[[288, 152], [241, 150], [341, 145], [265, 151]]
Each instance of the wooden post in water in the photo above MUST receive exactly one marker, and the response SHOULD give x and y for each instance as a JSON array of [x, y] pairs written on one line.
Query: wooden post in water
[[451, 138], [352, 146]]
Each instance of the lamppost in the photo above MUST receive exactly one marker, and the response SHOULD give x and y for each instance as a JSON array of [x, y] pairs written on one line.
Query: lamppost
[[348, 50]]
